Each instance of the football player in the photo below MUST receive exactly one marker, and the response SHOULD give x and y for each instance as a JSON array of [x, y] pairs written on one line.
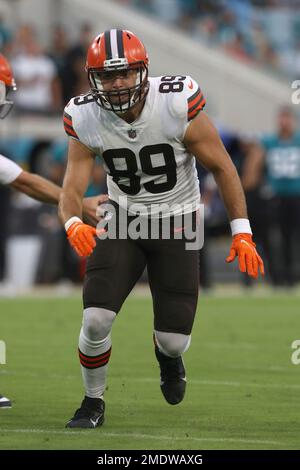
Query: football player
[[149, 132], [274, 164], [33, 185]]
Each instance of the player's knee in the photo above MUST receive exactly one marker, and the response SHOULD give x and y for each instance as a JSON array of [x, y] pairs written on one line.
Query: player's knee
[[97, 322], [172, 344]]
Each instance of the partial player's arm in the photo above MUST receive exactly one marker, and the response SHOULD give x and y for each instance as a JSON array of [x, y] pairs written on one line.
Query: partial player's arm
[[33, 185], [77, 176], [203, 141], [44, 190], [37, 187]]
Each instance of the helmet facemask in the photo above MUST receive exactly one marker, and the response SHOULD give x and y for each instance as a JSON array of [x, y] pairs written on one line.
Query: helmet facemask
[[114, 100]]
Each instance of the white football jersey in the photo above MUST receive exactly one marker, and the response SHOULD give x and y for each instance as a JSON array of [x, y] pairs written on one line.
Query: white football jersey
[[149, 170]]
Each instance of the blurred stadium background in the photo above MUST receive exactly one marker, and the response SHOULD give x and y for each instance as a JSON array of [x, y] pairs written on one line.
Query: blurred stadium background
[[245, 55], [243, 387]]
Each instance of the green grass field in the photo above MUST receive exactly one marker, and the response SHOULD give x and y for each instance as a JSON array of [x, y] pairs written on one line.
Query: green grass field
[[243, 391]]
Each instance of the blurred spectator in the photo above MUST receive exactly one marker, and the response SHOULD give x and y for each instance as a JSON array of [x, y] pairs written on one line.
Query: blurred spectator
[[278, 25], [168, 10], [290, 61], [227, 27], [272, 178], [5, 36], [59, 46], [39, 89], [145, 5], [76, 81], [58, 51], [263, 51], [243, 13], [237, 48], [206, 30], [263, 31], [188, 10]]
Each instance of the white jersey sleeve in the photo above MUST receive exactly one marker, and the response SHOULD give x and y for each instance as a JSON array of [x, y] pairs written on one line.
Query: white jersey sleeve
[[76, 118], [185, 104], [9, 170]]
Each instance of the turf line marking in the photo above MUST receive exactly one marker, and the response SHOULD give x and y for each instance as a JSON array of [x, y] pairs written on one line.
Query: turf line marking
[[142, 436], [152, 379], [225, 383], [221, 345], [261, 369]]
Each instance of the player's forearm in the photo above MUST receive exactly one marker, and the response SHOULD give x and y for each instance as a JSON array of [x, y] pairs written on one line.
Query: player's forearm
[[232, 193], [70, 205], [37, 187]]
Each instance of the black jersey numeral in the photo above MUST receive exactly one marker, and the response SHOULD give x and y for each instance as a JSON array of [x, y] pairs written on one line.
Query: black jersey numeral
[[83, 99], [168, 169], [169, 85], [115, 158]]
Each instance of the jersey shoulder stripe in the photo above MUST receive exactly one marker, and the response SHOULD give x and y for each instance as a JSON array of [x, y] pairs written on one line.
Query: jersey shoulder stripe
[[196, 103], [68, 125]]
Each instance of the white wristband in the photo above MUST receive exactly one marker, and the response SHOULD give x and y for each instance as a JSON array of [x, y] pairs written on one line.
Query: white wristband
[[240, 226], [71, 221]]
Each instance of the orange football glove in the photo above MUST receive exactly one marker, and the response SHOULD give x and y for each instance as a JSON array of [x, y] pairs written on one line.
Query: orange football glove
[[249, 260], [81, 237]]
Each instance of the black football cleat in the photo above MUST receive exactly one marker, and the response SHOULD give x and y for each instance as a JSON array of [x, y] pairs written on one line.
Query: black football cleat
[[172, 377], [4, 402], [89, 415]]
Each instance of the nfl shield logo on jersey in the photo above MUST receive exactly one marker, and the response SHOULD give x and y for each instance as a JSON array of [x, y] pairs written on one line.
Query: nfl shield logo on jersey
[[132, 133]]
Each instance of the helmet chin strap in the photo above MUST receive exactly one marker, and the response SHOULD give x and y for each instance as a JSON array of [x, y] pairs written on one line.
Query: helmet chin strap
[[119, 113], [136, 102]]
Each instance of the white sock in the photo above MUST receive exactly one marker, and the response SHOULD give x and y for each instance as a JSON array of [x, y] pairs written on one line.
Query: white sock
[[94, 357]]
